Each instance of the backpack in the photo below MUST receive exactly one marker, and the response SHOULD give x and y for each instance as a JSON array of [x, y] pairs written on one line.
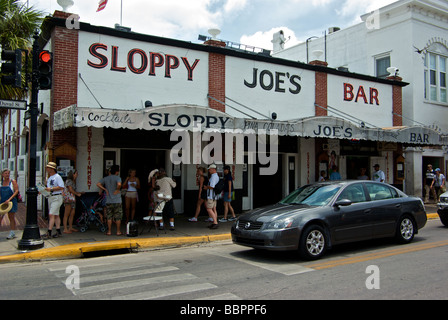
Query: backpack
[[219, 187]]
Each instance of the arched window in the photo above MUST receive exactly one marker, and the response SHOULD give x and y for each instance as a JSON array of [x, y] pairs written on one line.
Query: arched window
[[436, 60]]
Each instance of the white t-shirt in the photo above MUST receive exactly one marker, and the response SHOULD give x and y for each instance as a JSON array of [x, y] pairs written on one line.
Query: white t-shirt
[[379, 176], [214, 179], [55, 181]]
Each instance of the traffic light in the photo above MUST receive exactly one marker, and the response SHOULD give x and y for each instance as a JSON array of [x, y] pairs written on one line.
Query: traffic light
[[12, 68], [45, 70]]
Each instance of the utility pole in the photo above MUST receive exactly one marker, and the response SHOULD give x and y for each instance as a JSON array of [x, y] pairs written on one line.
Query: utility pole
[[31, 239]]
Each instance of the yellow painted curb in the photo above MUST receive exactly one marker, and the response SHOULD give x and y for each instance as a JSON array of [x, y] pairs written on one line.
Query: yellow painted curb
[[432, 216], [77, 250]]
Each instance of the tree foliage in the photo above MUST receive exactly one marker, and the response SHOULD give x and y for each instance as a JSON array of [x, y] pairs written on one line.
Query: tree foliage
[[17, 25]]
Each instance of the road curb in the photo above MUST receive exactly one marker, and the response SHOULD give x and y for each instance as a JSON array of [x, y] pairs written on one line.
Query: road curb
[[432, 216], [77, 250]]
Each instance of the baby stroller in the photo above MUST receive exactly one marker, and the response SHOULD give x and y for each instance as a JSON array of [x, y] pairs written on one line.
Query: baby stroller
[[92, 216]]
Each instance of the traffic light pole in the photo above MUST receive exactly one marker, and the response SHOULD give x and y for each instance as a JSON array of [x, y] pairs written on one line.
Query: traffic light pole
[[31, 238]]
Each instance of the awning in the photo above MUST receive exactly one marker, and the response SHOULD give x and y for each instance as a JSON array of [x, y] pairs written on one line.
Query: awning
[[152, 118], [187, 117]]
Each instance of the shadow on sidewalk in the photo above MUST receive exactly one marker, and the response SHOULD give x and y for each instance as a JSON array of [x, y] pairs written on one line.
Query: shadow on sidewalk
[[21, 219]]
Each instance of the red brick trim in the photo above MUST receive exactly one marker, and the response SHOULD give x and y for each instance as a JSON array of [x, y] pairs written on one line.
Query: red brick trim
[[217, 77], [65, 78], [320, 91]]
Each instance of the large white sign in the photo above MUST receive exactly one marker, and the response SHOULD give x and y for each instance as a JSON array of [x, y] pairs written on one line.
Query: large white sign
[[118, 73], [368, 101], [269, 88]]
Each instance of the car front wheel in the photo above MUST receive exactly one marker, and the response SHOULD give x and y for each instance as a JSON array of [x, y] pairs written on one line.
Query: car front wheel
[[313, 243], [405, 230]]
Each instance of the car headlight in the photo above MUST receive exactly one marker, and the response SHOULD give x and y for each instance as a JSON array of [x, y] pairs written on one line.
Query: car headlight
[[280, 224]]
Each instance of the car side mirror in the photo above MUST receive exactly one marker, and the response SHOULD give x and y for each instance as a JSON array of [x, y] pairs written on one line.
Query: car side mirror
[[342, 203]]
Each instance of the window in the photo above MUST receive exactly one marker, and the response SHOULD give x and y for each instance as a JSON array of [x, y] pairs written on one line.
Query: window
[[381, 67], [354, 193], [380, 191], [435, 74]]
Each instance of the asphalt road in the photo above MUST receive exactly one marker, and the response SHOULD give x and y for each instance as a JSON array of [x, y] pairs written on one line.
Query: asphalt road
[[380, 270]]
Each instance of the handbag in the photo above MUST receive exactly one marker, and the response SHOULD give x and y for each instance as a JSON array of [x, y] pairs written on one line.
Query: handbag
[[19, 197], [68, 196]]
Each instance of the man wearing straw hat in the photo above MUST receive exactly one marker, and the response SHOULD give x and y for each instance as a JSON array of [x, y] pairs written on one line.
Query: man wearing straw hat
[[55, 185]]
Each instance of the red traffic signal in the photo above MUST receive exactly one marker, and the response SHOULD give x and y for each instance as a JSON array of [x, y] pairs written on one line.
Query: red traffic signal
[[45, 56], [45, 70]]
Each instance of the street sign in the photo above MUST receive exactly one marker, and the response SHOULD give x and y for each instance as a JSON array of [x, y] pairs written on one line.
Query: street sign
[[13, 104]]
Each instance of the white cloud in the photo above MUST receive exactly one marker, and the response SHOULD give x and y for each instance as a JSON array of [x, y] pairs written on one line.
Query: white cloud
[[234, 5], [320, 3], [356, 8]]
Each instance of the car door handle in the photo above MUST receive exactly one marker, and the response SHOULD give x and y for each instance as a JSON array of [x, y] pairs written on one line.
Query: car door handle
[[368, 211], [398, 206]]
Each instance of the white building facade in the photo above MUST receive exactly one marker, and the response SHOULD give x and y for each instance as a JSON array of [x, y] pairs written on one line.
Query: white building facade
[[412, 37]]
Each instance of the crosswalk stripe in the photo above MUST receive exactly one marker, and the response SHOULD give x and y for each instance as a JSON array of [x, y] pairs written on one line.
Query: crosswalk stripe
[[85, 269], [161, 293], [115, 285], [101, 277], [134, 283], [224, 296]]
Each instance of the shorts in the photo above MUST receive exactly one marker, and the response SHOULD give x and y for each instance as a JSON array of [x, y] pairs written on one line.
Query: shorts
[[114, 211], [54, 204], [168, 210], [131, 194], [70, 204], [226, 197], [210, 204]]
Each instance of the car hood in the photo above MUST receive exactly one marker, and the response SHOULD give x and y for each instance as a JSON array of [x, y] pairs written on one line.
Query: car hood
[[275, 212]]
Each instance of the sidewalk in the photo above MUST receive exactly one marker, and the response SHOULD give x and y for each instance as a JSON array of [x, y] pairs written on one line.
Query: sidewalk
[[76, 244]]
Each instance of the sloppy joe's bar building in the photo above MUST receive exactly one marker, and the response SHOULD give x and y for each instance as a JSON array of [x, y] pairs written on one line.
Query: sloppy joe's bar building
[[118, 96]]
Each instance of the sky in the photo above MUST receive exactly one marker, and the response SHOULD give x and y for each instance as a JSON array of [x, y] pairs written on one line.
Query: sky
[[249, 22]]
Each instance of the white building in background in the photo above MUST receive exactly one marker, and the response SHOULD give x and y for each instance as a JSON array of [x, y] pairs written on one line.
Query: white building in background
[[412, 37]]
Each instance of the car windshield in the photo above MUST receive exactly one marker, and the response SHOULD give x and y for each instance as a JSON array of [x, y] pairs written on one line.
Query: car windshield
[[312, 195]]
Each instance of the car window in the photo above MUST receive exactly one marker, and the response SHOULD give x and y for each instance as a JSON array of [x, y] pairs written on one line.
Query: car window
[[380, 191], [354, 193], [394, 193], [312, 195]]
